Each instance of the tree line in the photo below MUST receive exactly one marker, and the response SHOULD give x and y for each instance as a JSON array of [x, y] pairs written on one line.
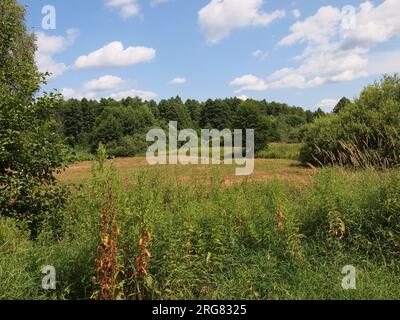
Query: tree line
[[122, 125]]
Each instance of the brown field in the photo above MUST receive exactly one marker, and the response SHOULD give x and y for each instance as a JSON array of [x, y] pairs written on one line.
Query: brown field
[[265, 170]]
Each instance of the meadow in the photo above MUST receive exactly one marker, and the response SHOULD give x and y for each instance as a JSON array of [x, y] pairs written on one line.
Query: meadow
[[319, 218], [131, 231]]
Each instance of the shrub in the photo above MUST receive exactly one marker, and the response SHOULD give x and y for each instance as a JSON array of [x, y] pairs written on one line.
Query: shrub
[[365, 133]]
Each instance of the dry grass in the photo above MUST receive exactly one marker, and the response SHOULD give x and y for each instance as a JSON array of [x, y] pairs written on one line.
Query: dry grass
[[265, 170]]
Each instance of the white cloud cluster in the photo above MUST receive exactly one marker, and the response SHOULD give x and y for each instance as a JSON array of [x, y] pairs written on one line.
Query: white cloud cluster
[[333, 53], [144, 95], [127, 8], [373, 25], [177, 81], [106, 86], [48, 46], [218, 18], [243, 97], [69, 93], [114, 55], [249, 82], [104, 83]]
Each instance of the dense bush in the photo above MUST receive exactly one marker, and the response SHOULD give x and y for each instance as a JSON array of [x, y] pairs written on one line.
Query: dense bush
[[365, 133], [128, 146], [31, 148]]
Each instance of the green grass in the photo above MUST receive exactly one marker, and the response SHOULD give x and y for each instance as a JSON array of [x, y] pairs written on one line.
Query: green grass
[[281, 150], [250, 240]]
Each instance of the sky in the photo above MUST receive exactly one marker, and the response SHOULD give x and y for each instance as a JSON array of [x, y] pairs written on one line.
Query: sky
[[304, 53]]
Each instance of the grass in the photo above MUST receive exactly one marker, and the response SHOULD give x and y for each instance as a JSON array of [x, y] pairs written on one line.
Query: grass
[[265, 170], [289, 151], [198, 232]]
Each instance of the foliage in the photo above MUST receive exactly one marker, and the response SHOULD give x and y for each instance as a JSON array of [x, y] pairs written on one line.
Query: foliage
[[364, 134], [341, 104], [275, 150], [30, 146], [122, 125]]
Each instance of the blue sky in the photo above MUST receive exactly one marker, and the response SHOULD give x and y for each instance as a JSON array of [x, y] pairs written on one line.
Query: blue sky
[[305, 53]]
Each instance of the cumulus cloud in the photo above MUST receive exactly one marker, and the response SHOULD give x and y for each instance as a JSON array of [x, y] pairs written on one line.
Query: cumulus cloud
[[315, 29], [114, 55], [335, 52], [178, 81], [107, 86], [373, 25], [243, 97], [127, 8], [144, 95], [249, 82], [48, 46], [104, 83], [219, 17], [69, 93]]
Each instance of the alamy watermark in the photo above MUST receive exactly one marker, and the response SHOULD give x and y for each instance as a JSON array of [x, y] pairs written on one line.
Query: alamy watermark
[[349, 281], [349, 18], [49, 21], [49, 280], [199, 147]]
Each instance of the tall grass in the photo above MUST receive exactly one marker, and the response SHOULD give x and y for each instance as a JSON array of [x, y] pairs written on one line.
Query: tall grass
[[290, 151], [251, 240]]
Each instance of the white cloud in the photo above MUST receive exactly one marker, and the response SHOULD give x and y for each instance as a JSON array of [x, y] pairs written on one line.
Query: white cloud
[[114, 55], [127, 8], [69, 93], [106, 86], [373, 25], [296, 13], [315, 29], [327, 105], [47, 46], [243, 97], [220, 17], [334, 53], [249, 82], [104, 83], [144, 95], [178, 81], [260, 55]]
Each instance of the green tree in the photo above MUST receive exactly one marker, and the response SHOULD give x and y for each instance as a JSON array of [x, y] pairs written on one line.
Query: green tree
[[216, 115], [249, 116], [30, 146], [174, 110], [341, 104]]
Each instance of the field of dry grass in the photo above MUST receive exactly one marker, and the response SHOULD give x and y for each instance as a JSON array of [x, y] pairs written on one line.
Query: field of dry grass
[[265, 170]]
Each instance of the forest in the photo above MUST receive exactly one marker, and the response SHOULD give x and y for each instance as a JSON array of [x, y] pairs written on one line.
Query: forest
[[122, 125]]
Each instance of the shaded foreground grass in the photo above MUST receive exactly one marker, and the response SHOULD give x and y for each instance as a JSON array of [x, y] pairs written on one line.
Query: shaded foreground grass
[[253, 239]]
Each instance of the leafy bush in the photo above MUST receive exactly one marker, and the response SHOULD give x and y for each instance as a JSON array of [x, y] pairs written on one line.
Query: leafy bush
[[365, 133], [30, 146], [128, 146], [289, 151]]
